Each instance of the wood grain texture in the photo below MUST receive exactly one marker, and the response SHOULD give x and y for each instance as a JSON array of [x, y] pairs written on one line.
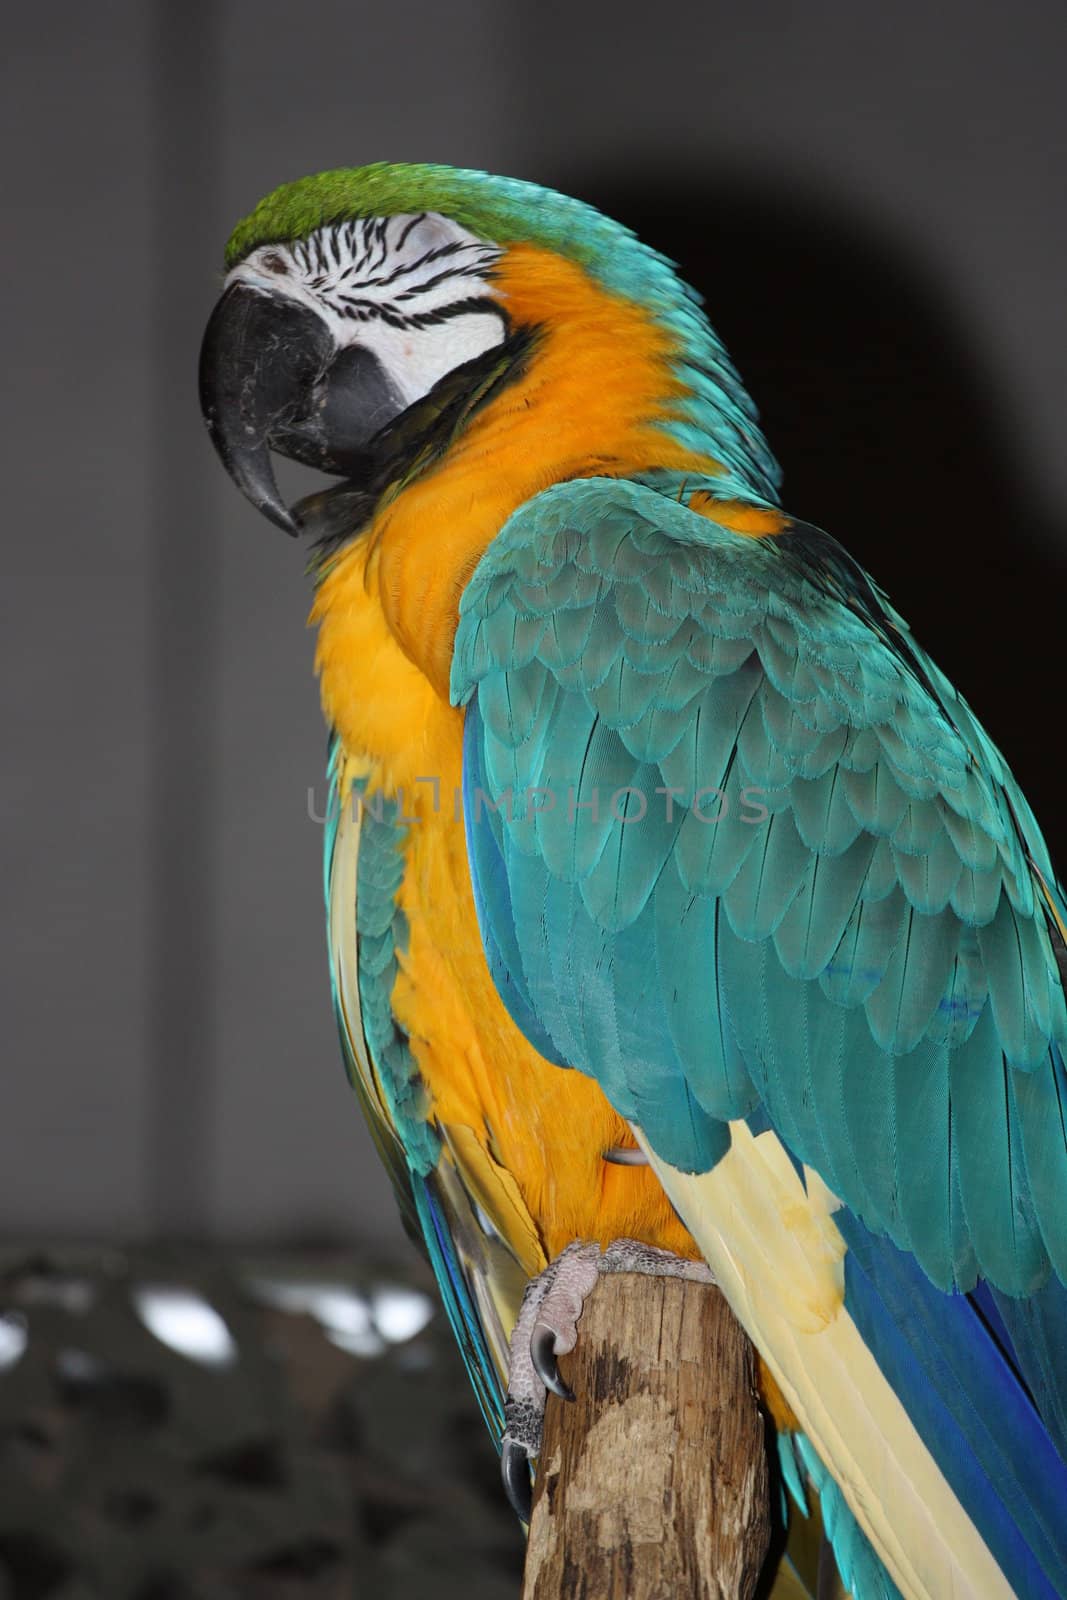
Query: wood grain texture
[[653, 1484]]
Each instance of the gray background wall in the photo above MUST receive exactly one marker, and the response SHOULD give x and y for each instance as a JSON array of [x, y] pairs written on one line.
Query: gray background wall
[[169, 1057]]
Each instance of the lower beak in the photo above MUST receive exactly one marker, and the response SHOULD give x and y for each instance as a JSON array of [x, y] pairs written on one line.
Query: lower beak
[[272, 378]]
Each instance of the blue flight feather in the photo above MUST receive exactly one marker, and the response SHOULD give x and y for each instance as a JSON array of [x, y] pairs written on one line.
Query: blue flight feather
[[974, 1416]]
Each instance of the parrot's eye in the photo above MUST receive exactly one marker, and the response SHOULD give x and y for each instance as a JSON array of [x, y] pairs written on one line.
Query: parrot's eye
[[275, 263]]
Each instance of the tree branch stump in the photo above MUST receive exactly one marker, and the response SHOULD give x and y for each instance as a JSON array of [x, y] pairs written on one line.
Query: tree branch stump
[[653, 1484]]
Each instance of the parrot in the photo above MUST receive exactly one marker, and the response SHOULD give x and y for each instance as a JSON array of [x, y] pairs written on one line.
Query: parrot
[[682, 916]]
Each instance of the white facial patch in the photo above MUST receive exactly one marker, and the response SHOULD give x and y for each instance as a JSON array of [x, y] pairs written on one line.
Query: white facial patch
[[412, 289]]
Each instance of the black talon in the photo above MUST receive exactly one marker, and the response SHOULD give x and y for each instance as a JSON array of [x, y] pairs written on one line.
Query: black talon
[[543, 1356], [515, 1476]]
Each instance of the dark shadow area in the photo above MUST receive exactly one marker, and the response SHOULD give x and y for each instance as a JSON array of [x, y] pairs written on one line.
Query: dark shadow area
[[878, 404]]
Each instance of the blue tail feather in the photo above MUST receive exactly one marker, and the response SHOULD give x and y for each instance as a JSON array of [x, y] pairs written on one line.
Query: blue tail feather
[[963, 1391], [1037, 1330]]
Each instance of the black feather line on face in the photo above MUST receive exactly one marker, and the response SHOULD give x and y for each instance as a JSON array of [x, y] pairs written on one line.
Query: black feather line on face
[[372, 311], [475, 270], [361, 259], [410, 228], [412, 443], [437, 254]]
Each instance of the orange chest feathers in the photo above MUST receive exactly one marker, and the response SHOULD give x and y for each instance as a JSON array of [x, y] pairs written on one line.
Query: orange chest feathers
[[387, 610], [539, 1132]]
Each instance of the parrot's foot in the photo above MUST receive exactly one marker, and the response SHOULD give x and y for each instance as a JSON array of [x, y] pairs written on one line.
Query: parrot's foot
[[548, 1327]]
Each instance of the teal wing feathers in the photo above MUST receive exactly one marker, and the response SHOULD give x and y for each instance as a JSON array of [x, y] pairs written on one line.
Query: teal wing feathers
[[862, 1574], [742, 854], [479, 1277], [759, 856]]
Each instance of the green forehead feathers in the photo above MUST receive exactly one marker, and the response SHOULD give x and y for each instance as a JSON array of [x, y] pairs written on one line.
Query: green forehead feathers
[[500, 210]]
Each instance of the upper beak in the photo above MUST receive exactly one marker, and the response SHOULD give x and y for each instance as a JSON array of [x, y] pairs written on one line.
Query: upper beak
[[272, 378]]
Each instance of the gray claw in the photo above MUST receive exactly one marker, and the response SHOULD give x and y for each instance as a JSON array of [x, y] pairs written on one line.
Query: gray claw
[[515, 1475], [622, 1155], [543, 1356]]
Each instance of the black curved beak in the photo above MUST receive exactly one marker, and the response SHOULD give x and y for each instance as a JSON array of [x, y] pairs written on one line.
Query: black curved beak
[[272, 378]]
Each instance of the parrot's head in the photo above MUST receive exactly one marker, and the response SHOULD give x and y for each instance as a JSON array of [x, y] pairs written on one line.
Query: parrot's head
[[369, 313]]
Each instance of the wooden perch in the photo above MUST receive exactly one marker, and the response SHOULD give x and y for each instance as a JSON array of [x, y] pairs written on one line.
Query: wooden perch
[[653, 1484]]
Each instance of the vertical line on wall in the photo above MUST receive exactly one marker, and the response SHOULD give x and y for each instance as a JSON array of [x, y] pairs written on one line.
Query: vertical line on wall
[[184, 621]]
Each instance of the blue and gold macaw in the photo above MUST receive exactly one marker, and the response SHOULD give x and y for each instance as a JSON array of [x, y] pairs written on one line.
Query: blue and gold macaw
[[636, 775]]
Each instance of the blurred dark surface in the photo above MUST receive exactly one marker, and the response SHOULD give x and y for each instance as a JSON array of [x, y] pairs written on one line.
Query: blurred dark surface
[[305, 1431]]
